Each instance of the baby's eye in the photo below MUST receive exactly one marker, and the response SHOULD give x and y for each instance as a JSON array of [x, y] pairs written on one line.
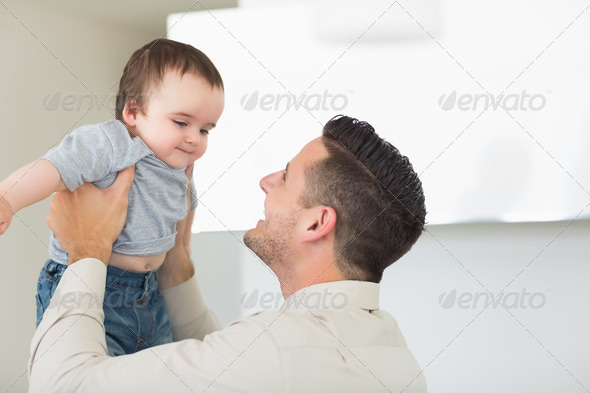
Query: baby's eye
[[284, 175], [180, 123], [205, 132]]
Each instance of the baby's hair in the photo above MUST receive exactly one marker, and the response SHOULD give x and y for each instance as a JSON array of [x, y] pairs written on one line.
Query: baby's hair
[[148, 65]]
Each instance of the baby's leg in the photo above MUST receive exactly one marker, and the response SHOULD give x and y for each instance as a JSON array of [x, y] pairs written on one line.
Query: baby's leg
[[135, 313], [48, 279]]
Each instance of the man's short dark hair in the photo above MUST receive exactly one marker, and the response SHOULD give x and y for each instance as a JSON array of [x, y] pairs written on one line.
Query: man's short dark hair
[[377, 196]]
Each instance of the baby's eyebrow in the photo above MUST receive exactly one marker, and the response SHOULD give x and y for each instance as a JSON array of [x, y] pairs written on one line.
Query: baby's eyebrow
[[182, 114], [213, 125]]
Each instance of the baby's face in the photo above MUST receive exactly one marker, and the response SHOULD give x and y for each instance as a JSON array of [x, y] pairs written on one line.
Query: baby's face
[[179, 115]]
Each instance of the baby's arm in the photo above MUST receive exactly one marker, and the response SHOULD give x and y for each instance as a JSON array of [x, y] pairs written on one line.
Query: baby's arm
[[30, 184]]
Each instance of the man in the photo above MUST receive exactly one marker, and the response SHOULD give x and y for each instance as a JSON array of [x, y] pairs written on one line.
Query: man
[[346, 207]]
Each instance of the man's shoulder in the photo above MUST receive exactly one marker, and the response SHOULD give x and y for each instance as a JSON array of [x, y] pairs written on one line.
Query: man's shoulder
[[274, 325], [367, 343], [308, 326], [260, 319]]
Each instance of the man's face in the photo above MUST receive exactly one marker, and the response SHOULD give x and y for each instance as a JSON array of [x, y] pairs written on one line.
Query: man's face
[[275, 239], [179, 115]]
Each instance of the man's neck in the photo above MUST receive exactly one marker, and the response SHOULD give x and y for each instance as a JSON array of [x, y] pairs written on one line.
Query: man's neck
[[291, 285]]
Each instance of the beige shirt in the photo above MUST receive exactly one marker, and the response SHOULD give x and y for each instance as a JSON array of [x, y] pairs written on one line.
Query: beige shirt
[[326, 338]]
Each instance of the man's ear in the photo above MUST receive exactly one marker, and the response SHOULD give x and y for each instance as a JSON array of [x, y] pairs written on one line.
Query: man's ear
[[322, 222], [130, 113]]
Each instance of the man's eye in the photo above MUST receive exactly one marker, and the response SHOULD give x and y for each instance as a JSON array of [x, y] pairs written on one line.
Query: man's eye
[[205, 132], [180, 123]]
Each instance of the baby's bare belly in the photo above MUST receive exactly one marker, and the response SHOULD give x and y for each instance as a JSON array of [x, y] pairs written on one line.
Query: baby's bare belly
[[136, 264]]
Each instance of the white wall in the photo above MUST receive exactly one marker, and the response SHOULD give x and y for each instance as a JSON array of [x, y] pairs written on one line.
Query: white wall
[[535, 340], [284, 80], [493, 352], [70, 56]]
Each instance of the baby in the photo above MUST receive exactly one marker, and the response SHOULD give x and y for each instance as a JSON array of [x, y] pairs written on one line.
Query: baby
[[170, 97]]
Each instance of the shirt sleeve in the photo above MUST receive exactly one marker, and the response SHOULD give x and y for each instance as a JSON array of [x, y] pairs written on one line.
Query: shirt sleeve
[[85, 155], [94, 153], [189, 316], [68, 351]]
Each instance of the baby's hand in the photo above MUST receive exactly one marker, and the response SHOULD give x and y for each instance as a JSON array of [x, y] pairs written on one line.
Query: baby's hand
[[5, 216]]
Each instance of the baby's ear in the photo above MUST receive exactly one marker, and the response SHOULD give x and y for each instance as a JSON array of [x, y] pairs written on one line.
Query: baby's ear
[[130, 112]]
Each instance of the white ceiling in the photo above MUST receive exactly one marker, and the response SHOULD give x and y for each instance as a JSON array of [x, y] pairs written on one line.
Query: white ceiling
[[147, 15]]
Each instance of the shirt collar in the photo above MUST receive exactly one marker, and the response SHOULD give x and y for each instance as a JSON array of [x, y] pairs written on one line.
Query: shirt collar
[[336, 294]]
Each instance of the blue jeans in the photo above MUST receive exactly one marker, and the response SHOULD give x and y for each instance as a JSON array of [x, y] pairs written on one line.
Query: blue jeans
[[135, 315]]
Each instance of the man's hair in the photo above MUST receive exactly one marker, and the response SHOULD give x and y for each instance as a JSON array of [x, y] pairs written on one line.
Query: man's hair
[[149, 64], [377, 196]]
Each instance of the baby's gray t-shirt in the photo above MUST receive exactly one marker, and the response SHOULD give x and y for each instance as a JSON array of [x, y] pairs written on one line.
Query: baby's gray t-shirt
[[157, 198]]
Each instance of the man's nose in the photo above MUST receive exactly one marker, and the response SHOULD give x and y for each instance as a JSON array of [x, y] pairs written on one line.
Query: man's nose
[[269, 181]]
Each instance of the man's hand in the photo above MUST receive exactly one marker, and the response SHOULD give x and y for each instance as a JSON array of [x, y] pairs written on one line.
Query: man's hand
[[177, 266], [87, 222], [5, 215]]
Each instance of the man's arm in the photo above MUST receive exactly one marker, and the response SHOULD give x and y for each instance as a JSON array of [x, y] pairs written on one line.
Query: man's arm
[[30, 184], [189, 315], [178, 267], [68, 350]]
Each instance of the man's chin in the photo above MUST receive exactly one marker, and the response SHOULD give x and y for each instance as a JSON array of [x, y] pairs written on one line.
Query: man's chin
[[249, 237], [251, 233], [254, 243]]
